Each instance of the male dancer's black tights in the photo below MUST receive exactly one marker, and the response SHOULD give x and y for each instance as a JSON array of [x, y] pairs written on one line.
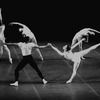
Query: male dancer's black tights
[[24, 61]]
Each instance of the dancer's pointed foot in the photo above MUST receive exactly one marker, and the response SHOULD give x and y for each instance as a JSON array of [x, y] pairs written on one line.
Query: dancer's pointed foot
[[15, 84], [10, 60], [69, 81], [44, 81], [41, 58]]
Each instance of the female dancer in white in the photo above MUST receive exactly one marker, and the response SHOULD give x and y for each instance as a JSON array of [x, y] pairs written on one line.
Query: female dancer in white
[[2, 38], [27, 32], [74, 56], [81, 34]]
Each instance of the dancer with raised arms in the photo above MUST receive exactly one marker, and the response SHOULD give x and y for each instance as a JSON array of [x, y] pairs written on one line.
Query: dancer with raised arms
[[84, 33]]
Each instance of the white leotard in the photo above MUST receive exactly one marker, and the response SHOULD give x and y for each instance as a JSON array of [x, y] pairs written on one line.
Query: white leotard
[[75, 57]]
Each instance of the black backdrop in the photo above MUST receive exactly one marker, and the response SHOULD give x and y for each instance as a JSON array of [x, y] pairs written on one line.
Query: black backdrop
[[51, 21]]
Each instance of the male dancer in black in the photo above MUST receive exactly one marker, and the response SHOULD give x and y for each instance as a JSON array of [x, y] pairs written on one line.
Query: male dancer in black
[[26, 48]]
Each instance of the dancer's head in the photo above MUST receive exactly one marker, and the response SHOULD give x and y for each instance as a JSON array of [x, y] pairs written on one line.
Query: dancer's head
[[21, 29], [66, 48]]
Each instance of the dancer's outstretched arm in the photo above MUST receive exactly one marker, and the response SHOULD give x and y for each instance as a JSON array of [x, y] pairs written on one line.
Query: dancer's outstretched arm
[[17, 23], [77, 44], [90, 29], [11, 44], [37, 46], [25, 29]]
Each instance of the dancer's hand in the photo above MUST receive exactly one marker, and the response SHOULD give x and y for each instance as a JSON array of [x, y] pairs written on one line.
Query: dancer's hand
[[92, 33], [20, 29], [49, 44], [83, 39]]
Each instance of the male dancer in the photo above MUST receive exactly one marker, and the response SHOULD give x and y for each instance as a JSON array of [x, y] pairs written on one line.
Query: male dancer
[[74, 56], [2, 38], [26, 49], [81, 34], [27, 32]]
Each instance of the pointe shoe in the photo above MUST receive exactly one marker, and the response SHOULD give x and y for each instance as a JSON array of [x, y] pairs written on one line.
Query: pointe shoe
[[14, 84], [69, 81], [10, 60], [44, 81], [41, 58]]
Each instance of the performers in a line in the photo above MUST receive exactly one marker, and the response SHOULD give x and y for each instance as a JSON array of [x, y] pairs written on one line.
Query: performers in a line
[[31, 42]]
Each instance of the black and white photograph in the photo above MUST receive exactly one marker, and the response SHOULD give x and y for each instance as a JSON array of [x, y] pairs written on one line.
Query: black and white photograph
[[50, 50]]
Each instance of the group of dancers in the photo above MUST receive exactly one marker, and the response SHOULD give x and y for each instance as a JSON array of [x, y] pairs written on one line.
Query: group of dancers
[[31, 42]]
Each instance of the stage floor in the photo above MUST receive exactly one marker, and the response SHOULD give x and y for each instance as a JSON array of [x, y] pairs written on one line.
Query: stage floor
[[56, 70]]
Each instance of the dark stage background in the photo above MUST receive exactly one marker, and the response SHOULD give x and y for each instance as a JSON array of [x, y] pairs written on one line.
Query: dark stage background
[[51, 21]]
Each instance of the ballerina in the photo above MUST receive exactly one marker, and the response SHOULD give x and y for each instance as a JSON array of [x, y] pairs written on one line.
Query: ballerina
[[81, 34], [74, 56]]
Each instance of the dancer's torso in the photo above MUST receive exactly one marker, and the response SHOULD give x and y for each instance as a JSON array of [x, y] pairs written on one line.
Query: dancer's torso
[[72, 56], [25, 48]]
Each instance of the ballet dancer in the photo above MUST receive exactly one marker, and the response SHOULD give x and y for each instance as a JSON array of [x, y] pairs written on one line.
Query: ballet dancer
[[74, 56], [27, 32], [81, 34], [2, 38], [26, 48]]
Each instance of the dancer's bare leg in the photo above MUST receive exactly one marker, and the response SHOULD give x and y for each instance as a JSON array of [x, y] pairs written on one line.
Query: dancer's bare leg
[[8, 52], [76, 64], [84, 52], [75, 67], [80, 48]]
